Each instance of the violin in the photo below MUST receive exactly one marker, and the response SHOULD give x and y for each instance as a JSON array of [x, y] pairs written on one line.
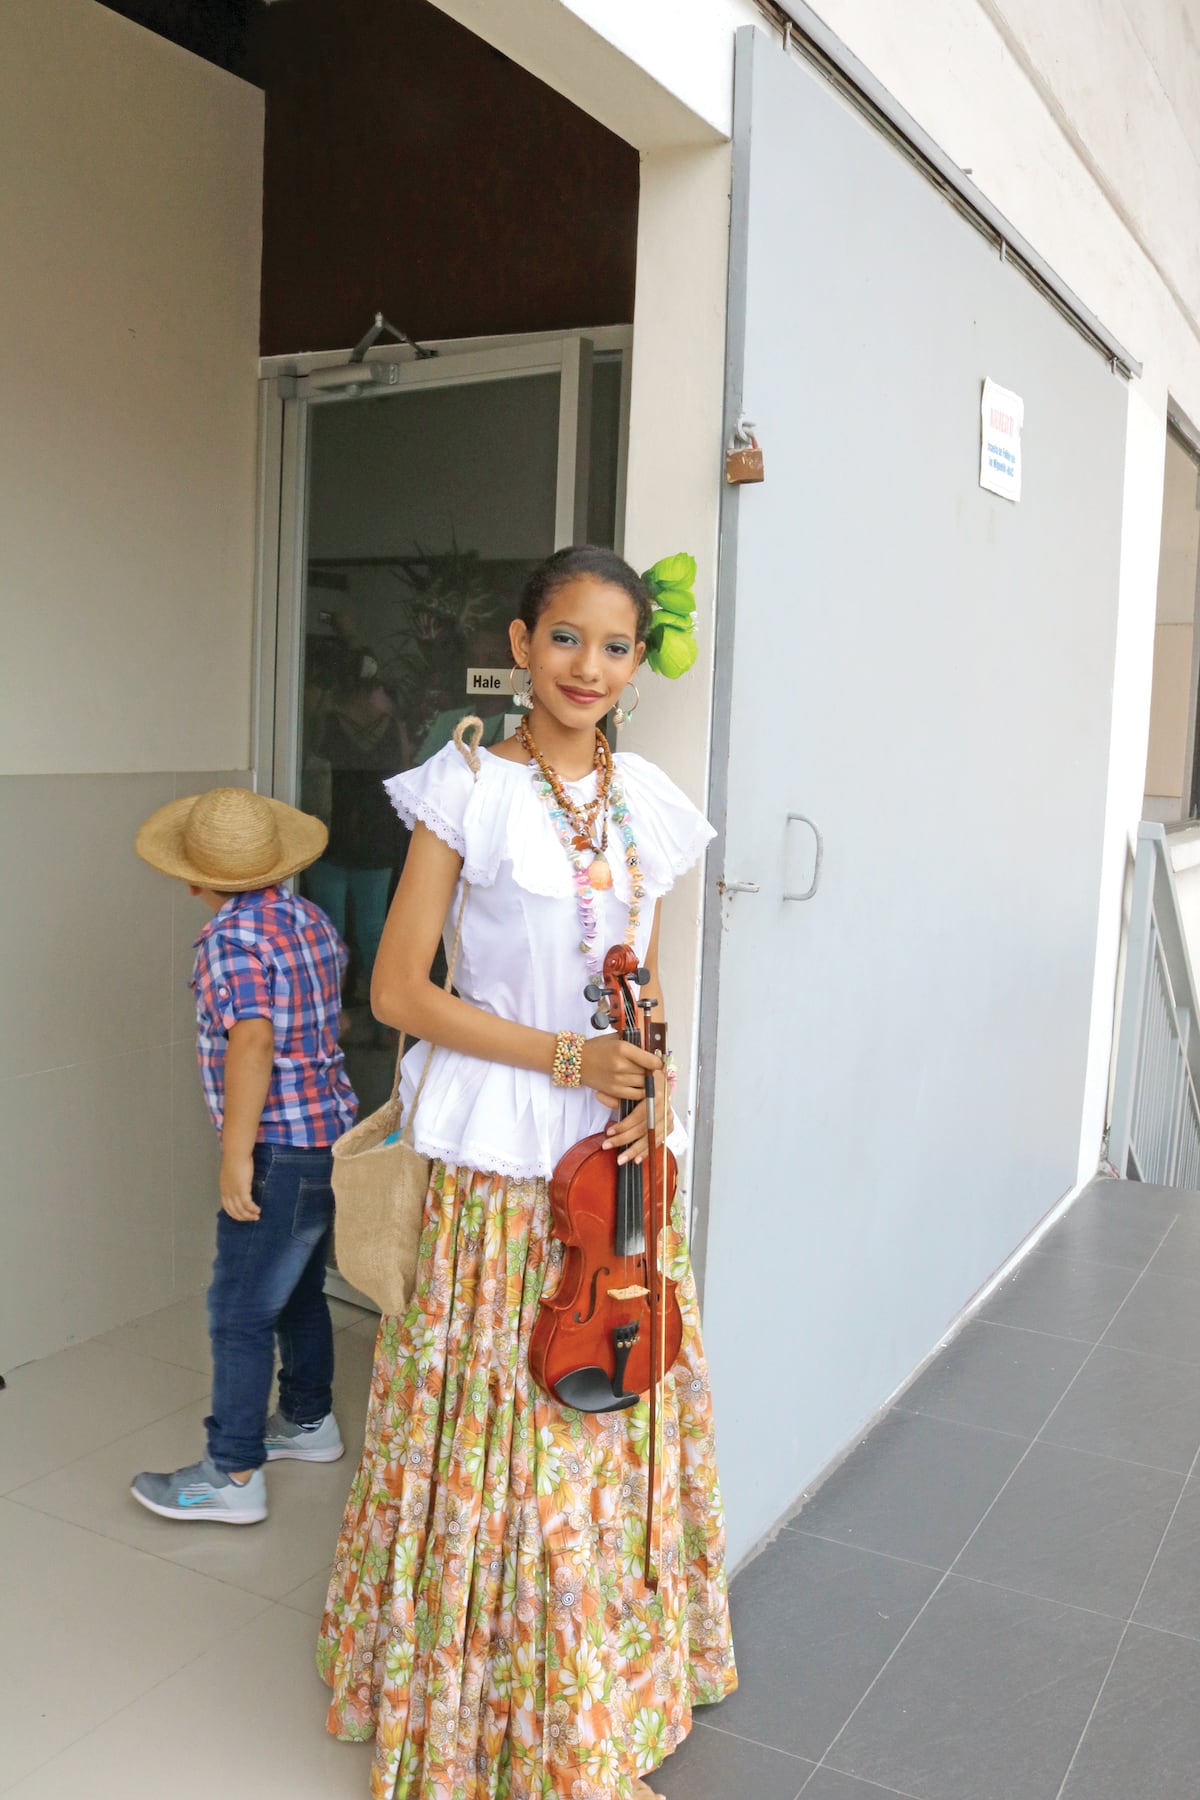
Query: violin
[[612, 1327]]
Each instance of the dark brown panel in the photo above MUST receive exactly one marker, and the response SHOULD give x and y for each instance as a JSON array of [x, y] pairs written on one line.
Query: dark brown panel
[[412, 169], [221, 31]]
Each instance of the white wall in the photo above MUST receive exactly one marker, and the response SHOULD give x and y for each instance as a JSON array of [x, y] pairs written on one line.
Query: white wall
[[657, 73], [130, 204], [674, 492], [130, 199]]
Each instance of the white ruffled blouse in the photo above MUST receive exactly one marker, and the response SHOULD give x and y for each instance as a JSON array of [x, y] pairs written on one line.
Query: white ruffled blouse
[[520, 954]]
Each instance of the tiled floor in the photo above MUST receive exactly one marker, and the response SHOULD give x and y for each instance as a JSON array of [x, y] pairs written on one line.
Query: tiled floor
[[996, 1598], [141, 1658]]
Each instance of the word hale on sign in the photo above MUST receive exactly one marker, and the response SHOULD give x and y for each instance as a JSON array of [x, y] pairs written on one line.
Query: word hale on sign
[[1002, 416], [487, 681]]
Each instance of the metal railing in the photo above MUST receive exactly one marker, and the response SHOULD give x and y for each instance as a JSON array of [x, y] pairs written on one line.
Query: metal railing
[[1154, 1134]]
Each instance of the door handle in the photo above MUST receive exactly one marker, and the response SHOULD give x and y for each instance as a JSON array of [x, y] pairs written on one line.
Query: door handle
[[739, 887], [796, 818]]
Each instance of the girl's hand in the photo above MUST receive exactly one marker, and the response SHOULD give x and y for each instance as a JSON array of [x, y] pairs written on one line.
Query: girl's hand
[[629, 1135], [615, 1069]]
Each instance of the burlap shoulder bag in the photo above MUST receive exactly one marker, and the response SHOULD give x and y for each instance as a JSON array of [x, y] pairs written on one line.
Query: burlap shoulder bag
[[379, 1188]]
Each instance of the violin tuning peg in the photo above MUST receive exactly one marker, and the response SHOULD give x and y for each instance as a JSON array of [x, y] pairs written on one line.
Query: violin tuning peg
[[642, 977], [593, 992], [600, 1020]]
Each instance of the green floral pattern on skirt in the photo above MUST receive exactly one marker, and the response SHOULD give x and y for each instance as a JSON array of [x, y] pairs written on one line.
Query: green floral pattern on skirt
[[487, 1621]]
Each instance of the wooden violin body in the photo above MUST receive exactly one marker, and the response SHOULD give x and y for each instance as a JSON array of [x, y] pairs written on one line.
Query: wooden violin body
[[605, 1336]]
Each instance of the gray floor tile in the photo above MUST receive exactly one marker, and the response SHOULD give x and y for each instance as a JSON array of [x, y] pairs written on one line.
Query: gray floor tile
[[711, 1765], [998, 1377], [1179, 1253], [813, 1623], [1184, 1201], [1058, 1294], [1120, 1223], [1144, 1739], [1172, 1597], [1141, 1408], [1161, 1317], [917, 1488], [984, 1700], [828, 1784], [1081, 1529]]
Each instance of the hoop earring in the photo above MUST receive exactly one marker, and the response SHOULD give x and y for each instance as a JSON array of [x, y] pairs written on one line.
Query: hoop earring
[[623, 713], [522, 697]]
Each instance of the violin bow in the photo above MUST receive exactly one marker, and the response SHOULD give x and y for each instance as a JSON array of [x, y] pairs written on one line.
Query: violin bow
[[656, 1038]]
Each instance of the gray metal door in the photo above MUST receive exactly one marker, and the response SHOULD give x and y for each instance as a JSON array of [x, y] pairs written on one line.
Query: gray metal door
[[893, 1070]]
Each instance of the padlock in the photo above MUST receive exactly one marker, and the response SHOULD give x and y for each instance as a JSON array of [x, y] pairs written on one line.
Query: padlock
[[743, 458], [744, 465]]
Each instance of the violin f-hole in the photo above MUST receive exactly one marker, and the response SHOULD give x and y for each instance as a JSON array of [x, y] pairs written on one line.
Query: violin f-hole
[[582, 1318]]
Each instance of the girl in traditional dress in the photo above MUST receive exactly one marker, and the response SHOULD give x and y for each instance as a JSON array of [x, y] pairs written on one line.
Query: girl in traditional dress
[[487, 1621]]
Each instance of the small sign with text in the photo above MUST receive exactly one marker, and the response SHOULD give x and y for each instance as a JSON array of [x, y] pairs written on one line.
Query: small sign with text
[[487, 681], [1002, 414]]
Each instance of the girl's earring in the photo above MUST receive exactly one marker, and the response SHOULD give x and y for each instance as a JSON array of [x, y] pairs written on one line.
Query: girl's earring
[[622, 713], [522, 697]]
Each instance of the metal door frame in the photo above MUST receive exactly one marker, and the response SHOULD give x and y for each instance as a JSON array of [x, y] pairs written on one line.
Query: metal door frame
[[283, 457]]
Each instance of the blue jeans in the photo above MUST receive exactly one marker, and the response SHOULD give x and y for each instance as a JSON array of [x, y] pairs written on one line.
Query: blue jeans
[[269, 1282]]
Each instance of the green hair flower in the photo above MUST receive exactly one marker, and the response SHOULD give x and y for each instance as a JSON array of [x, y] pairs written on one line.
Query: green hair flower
[[671, 646]]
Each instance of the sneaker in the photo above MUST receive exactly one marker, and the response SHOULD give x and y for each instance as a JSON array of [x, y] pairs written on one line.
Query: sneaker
[[203, 1492], [303, 1443]]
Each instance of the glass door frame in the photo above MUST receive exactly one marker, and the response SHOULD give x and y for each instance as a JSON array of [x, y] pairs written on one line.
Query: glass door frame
[[283, 469], [283, 461]]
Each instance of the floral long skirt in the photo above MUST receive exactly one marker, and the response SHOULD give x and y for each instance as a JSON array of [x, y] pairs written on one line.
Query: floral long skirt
[[487, 1621]]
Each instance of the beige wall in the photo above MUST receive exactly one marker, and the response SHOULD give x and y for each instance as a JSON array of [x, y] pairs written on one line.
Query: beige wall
[[130, 203], [1172, 703], [130, 194], [107, 1206]]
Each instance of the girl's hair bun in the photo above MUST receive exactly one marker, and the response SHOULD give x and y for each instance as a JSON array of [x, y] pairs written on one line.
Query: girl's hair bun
[[583, 561]]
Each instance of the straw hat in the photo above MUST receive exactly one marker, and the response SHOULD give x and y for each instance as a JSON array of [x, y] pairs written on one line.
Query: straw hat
[[231, 840]]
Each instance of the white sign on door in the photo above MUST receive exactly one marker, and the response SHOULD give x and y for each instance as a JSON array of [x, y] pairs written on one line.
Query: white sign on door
[[487, 681], [1002, 415]]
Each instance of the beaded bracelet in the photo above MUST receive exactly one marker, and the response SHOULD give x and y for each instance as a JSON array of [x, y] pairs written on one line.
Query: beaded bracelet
[[567, 1068]]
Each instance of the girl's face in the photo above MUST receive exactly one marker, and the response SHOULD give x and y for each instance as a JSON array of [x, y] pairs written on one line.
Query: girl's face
[[583, 652]]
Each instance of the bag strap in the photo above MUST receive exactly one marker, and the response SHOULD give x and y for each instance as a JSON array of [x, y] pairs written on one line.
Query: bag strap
[[470, 729]]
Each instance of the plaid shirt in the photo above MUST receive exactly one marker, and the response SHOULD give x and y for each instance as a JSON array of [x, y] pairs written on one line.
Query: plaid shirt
[[272, 955]]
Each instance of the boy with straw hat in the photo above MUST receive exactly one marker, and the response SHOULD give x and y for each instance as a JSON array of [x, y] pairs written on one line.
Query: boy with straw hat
[[267, 981]]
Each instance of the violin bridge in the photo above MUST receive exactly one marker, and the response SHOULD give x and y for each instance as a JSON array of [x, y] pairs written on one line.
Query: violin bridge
[[629, 1293]]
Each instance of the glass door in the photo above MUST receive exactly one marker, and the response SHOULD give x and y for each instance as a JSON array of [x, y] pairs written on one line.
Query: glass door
[[408, 518]]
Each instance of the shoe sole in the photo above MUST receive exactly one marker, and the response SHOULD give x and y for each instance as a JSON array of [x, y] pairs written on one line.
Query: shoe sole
[[217, 1515], [320, 1456]]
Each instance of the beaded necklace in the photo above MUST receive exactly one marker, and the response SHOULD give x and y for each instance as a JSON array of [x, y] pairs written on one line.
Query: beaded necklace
[[582, 819], [582, 855]]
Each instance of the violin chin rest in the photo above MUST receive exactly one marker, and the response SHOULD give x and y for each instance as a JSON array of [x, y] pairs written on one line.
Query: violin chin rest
[[591, 1390]]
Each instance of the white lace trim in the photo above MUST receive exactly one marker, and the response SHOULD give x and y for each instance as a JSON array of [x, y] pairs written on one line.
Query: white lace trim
[[510, 1169], [460, 1167], [510, 824], [693, 847], [410, 810]]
